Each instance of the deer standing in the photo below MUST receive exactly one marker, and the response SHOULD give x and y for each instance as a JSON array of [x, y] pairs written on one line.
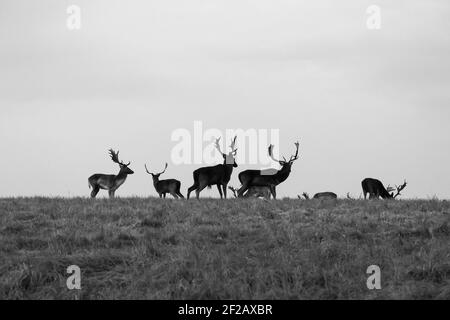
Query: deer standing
[[376, 189], [108, 181], [171, 186], [218, 175], [267, 178]]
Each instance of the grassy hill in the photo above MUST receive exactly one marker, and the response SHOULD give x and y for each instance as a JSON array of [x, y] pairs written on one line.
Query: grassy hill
[[234, 249]]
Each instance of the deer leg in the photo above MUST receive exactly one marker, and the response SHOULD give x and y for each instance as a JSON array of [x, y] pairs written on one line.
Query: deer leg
[[180, 194], [94, 192], [242, 190], [111, 193], [199, 189], [194, 187], [164, 195], [219, 187], [225, 190], [273, 192], [177, 191]]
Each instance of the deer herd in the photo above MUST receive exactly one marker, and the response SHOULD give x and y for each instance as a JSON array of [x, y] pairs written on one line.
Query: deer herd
[[254, 183]]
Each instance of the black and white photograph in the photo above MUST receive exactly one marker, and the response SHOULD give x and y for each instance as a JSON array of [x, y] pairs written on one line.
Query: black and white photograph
[[240, 152]]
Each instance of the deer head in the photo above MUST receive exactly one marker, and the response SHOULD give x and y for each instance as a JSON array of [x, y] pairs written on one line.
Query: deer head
[[284, 163], [228, 159], [123, 167], [398, 189], [155, 176]]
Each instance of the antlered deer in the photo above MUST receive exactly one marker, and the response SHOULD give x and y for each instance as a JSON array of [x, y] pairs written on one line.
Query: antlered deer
[[267, 178], [171, 186], [108, 181], [376, 189], [253, 192], [216, 175]]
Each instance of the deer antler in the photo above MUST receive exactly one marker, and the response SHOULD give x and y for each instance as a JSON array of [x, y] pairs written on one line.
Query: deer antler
[[115, 158], [295, 157], [400, 188], [271, 154], [389, 188], [234, 190], [165, 168], [155, 174], [216, 143], [233, 144]]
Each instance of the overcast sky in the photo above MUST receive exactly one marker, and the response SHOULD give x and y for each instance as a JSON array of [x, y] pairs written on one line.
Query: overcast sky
[[363, 103]]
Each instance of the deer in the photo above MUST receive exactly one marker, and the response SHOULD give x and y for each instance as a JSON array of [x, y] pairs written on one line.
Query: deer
[[162, 187], [376, 189], [253, 192], [268, 178], [108, 181], [320, 195], [218, 175]]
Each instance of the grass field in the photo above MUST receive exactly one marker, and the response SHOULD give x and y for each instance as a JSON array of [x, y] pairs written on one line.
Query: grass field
[[135, 248]]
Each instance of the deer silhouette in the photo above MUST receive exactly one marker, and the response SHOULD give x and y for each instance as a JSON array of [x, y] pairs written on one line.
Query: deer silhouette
[[218, 175], [376, 189], [162, 187], [267, 178], [108, 181]]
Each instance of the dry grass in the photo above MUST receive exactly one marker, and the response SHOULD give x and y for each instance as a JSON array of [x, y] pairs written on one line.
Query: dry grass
[[138, 248]]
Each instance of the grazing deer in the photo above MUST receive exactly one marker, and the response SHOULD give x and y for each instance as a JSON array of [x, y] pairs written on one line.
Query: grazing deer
[[107, 181], [171, 186], [218, 175], [376, 189], [267, 178], [253, 192]]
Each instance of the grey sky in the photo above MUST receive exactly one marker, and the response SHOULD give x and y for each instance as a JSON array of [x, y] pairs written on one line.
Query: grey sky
[[364, 103]]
